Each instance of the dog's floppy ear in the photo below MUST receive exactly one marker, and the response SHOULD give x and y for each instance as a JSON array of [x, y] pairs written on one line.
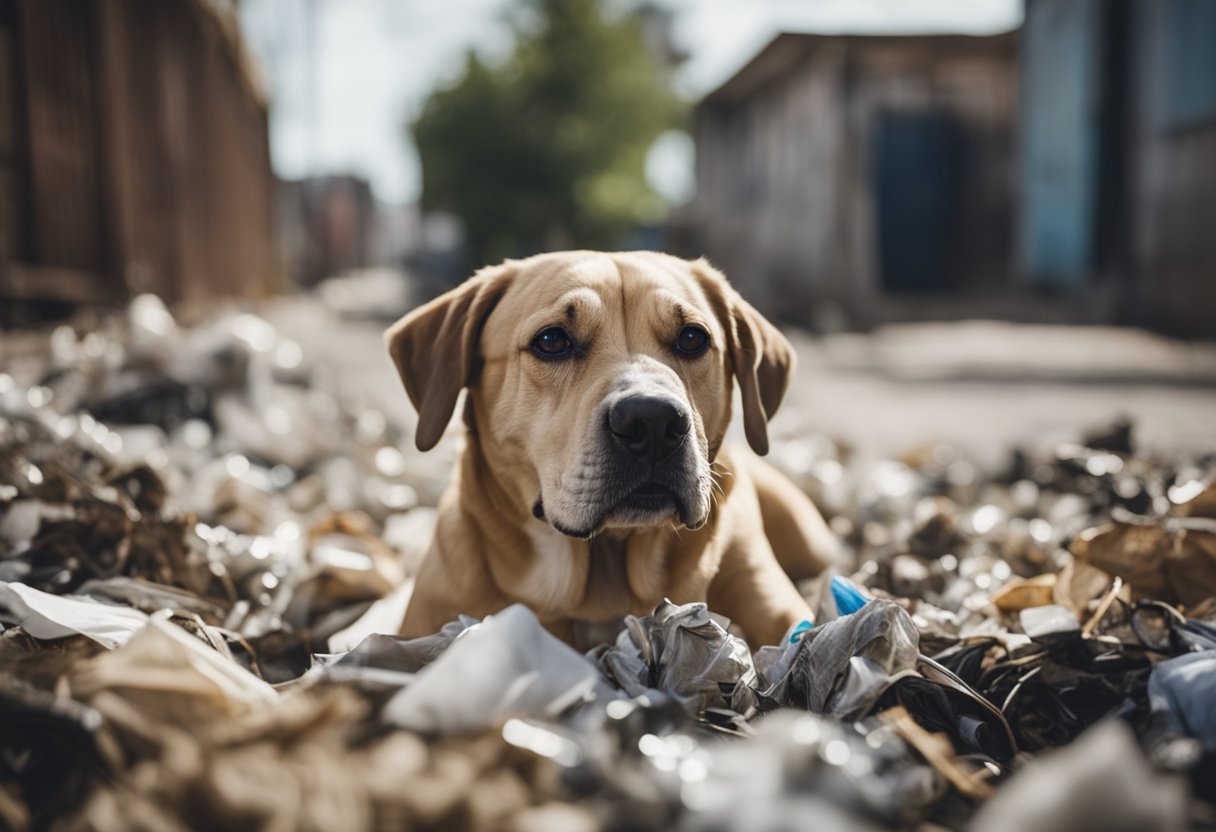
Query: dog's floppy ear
[[760, 356], [435, 348]]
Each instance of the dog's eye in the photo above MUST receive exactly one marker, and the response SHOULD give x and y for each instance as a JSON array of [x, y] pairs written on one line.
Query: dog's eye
[[553, 342], [692, 341]]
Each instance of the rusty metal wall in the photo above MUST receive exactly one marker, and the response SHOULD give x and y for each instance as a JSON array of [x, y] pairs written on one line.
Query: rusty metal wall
[[135, 153]]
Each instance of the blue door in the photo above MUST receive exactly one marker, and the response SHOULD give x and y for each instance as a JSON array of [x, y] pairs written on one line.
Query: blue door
[[917, 170]]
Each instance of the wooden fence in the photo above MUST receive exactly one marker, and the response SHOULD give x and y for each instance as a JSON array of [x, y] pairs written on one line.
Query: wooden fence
[[133, 153]]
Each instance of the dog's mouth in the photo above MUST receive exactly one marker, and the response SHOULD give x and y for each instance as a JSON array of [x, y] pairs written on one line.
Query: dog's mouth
[[650, 497], [648, 503]]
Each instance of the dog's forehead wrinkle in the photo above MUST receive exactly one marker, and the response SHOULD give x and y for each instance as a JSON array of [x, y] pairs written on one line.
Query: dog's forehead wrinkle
[[580, 304], [669, 306]]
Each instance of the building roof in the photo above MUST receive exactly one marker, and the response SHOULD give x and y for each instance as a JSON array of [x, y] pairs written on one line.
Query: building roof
[[788, 49]]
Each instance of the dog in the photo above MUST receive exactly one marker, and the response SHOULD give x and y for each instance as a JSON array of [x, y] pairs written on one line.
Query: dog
[[594, 482]]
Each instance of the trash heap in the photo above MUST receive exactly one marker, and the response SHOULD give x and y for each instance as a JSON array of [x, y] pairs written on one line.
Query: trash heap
[[205, 548]]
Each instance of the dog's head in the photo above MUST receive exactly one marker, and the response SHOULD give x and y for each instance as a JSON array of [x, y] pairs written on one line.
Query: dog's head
[[599, 384]]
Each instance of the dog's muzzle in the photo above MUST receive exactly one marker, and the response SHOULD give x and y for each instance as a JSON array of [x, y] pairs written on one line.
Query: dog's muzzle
[[648, 467], [651, 457]]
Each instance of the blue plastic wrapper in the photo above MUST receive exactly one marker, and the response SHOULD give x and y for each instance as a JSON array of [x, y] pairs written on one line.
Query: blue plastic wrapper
[[849, 599], [801, 627]]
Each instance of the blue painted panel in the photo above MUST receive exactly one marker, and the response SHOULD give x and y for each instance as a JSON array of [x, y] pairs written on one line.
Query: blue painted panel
[[1187, 86], [1059, 139]]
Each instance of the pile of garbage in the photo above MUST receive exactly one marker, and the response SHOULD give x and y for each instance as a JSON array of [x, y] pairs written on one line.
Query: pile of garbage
[[205, 549]]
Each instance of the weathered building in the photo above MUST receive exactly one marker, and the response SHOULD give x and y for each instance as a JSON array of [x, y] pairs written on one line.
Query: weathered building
[[133, 153], [1118, 157], [848, 170], [327, 224]]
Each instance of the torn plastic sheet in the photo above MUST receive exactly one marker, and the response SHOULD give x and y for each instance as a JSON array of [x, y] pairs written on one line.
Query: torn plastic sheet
[[685, 653], [1182, 694], [47, 616], [388, 663], [508, 665], [843, 667]]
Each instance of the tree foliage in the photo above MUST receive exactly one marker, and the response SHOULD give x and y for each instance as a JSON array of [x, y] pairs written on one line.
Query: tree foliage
[[547, 150]]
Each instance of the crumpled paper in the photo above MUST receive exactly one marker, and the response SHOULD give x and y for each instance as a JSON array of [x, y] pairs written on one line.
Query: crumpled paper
[[47, 616], [164, 670]]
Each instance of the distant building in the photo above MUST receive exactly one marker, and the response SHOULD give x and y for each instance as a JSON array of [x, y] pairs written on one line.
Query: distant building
[[133, 154], [1118, 158], [326, 224], [839, 172], [332, 225]]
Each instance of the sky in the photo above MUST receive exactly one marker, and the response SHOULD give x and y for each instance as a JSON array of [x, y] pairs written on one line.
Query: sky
[[346, 76]]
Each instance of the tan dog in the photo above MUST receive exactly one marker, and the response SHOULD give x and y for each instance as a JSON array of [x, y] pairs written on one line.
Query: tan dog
[[593, 483]]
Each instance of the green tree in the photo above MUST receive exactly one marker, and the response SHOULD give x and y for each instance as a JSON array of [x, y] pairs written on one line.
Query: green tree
[[548, 149]]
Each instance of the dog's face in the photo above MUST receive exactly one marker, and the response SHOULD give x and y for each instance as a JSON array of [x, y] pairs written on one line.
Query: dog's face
[[600, 384]]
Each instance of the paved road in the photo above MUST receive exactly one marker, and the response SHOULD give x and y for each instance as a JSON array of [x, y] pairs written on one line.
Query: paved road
[[985, 386]]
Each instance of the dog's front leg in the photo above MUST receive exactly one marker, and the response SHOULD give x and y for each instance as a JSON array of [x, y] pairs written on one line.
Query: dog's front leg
[[752, 590], [452, 581], [430, 607]]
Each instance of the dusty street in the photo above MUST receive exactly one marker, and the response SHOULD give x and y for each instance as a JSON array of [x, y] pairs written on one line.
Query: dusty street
[[986, 386]]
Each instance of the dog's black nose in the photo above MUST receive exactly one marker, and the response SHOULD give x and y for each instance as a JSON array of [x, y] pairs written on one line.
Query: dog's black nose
[[649, 427]]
